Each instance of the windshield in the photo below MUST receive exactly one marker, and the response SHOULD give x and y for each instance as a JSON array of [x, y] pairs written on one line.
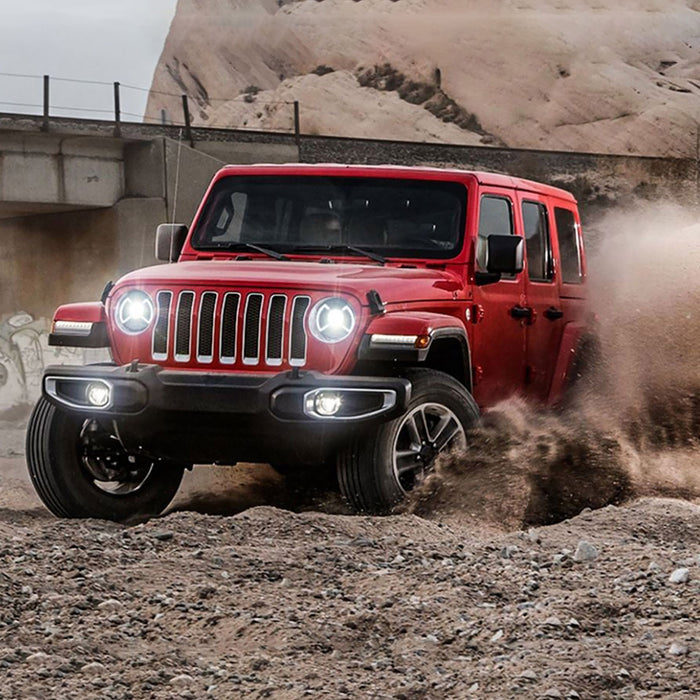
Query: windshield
[[392, 217]]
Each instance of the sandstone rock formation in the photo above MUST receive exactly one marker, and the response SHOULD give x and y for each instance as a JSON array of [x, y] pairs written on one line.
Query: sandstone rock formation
[[591, 75]]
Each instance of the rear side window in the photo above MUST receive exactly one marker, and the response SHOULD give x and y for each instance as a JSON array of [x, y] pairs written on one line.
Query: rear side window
[[495, 216], [569, 251], [537, 243]]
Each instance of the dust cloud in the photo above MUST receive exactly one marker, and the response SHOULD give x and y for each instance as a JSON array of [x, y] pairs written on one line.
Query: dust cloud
[[630, 428], [631, 425]]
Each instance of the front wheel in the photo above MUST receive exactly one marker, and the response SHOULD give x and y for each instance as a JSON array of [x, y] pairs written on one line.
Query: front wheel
[[80, 470], [377, 470]]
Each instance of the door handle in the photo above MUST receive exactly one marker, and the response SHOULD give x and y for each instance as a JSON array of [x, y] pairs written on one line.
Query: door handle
[[521, 312], [553, 314]]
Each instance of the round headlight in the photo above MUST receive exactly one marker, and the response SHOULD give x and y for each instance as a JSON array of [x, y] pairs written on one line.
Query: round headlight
[[332, 320], [134, 312]]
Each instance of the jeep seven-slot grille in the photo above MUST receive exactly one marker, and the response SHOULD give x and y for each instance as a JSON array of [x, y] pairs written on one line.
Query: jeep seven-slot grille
[[231, 327]]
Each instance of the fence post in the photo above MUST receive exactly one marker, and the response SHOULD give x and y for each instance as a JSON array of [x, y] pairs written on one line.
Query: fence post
[[45, 124], [188, 124], [297, 128], [117, 112]]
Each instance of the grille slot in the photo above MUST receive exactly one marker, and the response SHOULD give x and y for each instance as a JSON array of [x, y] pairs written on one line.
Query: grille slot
[[229, 323], [183, 326], [297, 334], [205, 343], [251, 329], [227, 328], [275, 329], [161, 331]]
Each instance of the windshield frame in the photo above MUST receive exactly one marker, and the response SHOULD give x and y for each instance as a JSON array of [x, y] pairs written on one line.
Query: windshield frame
[[309, 248]]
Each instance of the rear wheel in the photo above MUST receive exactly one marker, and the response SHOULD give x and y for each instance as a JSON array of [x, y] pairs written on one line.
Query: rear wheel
[[379, 469], [80, 469]]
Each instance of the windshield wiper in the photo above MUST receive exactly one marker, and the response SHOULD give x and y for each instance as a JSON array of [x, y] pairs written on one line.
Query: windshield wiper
[[265, 251], [343, 246], [361, 251]]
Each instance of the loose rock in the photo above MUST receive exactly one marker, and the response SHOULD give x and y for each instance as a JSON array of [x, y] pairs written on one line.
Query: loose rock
[[585, 551], [679, 576]]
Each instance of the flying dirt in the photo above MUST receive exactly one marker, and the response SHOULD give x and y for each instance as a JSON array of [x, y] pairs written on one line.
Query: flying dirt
[[557, 557]]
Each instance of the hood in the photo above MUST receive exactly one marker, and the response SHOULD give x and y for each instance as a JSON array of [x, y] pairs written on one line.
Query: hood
[[394, 284]]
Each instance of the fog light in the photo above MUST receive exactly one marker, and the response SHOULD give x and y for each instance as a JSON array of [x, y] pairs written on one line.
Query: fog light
[[327, 403], [98, 394]]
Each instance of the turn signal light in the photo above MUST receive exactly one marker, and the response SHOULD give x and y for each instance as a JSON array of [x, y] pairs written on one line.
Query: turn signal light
[[422, 341]]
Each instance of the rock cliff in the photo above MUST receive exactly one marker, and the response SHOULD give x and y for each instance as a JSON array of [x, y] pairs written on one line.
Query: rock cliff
[[591, 75]]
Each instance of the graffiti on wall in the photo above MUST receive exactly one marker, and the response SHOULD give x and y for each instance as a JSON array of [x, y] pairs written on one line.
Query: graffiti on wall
[[24, 353]]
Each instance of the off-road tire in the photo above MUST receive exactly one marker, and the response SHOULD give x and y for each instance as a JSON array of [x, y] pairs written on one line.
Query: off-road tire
[[67, 490], [365, 468]]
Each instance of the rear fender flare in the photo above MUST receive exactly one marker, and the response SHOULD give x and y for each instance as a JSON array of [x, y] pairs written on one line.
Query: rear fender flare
[[570, 341]]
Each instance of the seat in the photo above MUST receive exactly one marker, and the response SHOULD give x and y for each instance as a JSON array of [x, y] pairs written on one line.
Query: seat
[[323, 228], [370, 231]]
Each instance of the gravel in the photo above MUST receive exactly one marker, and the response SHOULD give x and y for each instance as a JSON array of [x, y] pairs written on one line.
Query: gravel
[[270, 603], [263, 602]]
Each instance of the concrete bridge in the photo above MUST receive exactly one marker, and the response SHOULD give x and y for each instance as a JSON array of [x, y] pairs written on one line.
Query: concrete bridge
[[79, 164]]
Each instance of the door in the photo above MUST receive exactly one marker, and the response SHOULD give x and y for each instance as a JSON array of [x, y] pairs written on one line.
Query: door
[[498, 352], [546, 323]]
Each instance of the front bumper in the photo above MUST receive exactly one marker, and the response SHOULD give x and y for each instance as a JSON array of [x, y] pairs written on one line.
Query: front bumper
[[220, 417]]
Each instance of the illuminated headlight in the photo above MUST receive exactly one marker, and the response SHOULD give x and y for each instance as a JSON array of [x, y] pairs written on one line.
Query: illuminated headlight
[[332, 320], [134, 312], [98, 394]]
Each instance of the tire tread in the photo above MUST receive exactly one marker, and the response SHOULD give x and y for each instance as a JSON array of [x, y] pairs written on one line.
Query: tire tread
[[358, 476], [59, 482]]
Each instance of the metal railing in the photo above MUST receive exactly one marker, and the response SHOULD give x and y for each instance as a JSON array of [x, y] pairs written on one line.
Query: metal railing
[[47, 109]]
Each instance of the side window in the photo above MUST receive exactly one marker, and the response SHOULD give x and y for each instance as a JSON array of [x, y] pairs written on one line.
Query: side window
[[567, 234], [537, 243], [495, 216]]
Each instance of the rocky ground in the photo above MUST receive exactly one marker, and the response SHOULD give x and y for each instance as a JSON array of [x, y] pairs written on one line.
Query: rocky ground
[[264, 602]]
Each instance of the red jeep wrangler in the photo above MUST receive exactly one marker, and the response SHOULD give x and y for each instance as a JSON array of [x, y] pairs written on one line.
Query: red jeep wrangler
[[314, 314]]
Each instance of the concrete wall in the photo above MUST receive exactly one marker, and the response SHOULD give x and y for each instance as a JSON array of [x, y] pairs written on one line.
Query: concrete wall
[[24, 353], [246, 152], [52, 258], [50, 171], [57, 258]]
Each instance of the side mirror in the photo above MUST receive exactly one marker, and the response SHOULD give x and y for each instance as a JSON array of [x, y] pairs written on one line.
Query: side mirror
[[169, 241], [505, 255]]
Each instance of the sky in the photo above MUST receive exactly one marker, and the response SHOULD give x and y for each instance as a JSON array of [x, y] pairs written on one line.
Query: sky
[[90, 40]]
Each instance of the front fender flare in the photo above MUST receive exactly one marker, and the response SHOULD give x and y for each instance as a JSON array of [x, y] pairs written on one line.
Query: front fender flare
[[407, 337], [81, 325]]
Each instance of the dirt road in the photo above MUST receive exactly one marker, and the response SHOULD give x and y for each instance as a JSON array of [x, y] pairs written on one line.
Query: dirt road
[[269, 603]]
